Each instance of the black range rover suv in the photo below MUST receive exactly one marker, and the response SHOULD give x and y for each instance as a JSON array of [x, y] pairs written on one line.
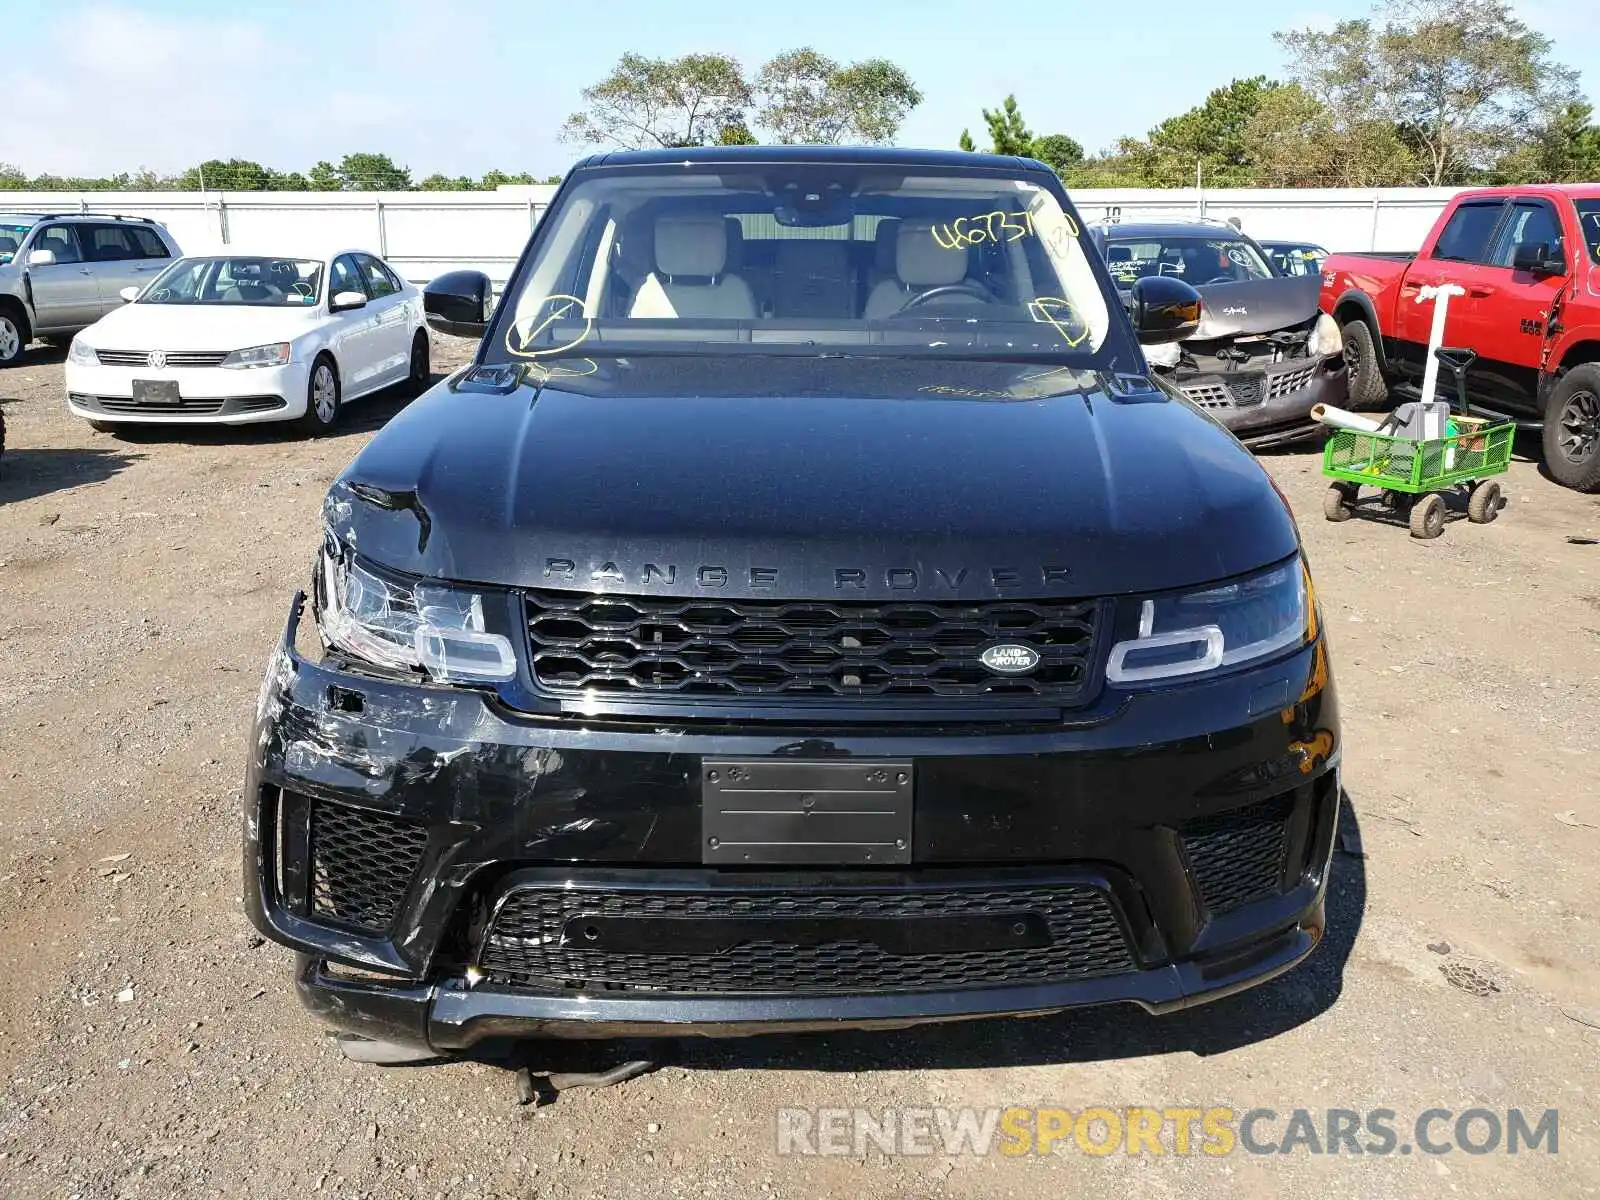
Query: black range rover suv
[[804, 611]]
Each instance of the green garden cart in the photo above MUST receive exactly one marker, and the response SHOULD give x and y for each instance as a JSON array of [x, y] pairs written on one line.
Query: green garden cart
[[1414, 476]]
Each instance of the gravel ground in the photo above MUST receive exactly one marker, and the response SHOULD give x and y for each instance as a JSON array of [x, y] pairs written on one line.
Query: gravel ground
[[152, 1046]]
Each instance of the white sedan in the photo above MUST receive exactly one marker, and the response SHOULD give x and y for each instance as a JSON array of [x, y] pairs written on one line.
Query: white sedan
[[235, 339]]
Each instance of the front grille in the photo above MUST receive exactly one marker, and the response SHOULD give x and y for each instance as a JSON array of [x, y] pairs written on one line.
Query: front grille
[[174, 358], [1237, 857], [1285, 382], [1208, 395], [202, 407], [361, 865], [524, 944], [648, 645]]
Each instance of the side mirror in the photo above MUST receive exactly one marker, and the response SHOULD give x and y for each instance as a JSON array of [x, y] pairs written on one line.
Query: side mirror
[[1163, 309], [459, 303], [345, 301], [129, 294], [41, 258], [1537, 258]]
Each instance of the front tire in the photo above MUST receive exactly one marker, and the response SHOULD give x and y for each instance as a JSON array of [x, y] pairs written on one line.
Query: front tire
[[1572, 430], [14, 337], [421, 367], [322, 398], [1427, 517], [1364, 378]]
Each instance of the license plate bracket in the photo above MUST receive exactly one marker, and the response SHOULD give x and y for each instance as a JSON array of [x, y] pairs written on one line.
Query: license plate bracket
[[805, 812], [156, 391]]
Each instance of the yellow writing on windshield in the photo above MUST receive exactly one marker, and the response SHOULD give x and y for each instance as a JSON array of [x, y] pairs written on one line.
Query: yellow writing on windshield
[[998, 226], [543, 316], [1058, 313]]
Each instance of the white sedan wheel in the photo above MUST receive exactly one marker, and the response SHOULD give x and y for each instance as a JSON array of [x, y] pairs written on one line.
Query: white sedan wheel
[[322, 398]]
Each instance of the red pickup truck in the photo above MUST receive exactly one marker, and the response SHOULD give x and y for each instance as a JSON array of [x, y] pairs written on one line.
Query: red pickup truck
[[1529, 259]]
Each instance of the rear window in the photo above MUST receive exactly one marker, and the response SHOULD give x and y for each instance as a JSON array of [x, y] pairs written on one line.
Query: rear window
[[1194, 260]]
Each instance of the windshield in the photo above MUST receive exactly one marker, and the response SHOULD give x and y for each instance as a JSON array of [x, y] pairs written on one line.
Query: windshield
[[1297, 259], [802, 258], [1195, 260], [274, 282], [12, 230], [1589, 224]]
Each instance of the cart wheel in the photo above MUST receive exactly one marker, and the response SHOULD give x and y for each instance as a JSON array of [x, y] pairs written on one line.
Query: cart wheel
[[1484, 506], [1427, 517], [1336, 503]]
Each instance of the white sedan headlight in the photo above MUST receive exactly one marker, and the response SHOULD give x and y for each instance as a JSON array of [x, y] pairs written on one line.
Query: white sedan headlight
[[82, 353], [275, 355], [438, 629], [1325, 337], [1218, 627]]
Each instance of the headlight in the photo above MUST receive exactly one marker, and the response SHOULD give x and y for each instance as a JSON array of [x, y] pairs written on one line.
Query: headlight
[[275, 355], [82, 354], [439, 629], [1217, 628], [1325, 337]]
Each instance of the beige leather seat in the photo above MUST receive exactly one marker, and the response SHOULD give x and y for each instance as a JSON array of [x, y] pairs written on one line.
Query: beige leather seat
[[920, 263], [691, 279]]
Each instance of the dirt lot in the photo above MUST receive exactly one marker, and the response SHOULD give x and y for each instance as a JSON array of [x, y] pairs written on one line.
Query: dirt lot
[[152, 1045]]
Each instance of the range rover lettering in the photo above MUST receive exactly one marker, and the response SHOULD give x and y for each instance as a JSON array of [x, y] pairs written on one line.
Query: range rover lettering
[[804, 611]]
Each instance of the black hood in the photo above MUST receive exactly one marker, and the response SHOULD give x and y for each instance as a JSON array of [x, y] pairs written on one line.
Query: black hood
[[805, 477], [1257, 306]]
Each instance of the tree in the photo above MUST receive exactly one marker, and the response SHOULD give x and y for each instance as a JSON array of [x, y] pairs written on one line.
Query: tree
[[804, 96], [1057, 151], [1463, 79], [736, 134], [1210, 135], [1565, 150], [966, 143], [364, 172], [233, 175], [657, 102], [12, 178], [1007, 130], [1296, 142], [324, 177]]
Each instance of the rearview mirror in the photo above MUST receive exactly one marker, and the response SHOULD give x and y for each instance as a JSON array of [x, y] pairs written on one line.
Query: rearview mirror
[[345, 301], [1163, 309], [459, 303], [41, 258], [1537, 258], [129, 294]]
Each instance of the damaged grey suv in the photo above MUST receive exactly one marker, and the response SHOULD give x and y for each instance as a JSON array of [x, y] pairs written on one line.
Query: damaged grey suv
[[1263, 355]]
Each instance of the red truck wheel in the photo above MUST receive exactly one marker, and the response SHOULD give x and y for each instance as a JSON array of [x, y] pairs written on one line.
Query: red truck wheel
[[1572, 429], [1364, 378]]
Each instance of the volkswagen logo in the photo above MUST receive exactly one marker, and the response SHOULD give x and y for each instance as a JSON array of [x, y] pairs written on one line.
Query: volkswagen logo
[[1010, 659], [156, 359]]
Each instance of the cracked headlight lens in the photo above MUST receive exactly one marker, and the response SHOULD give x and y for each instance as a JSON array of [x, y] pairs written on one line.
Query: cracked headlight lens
[[1325, 337], [1215, 628], [408, 626]]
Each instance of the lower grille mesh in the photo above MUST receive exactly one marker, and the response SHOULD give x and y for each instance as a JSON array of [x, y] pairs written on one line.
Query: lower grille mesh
[[361, 865], [1238, 856], [524, 944]]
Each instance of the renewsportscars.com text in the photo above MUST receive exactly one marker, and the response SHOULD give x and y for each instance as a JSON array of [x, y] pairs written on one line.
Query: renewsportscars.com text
[[1215, 1131]]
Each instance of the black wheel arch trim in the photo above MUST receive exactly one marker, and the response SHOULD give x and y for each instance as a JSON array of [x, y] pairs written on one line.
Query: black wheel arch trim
[[1369, 313]]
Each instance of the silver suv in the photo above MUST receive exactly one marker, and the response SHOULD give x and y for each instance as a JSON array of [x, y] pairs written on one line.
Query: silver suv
[[62, 272]]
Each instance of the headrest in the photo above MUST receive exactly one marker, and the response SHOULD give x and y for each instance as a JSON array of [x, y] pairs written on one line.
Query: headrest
[[1119, 254], [883, 246], [921, 261], [735, 232], [691, 245], [7, 242]]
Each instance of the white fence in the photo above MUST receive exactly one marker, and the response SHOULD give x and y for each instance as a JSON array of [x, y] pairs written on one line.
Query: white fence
[[426, 233]]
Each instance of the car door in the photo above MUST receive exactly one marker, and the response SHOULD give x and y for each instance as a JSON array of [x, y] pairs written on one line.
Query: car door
[[109, 252], [64, 294], [356, 340], [388, 306], [1507, 326], [1458, 255]]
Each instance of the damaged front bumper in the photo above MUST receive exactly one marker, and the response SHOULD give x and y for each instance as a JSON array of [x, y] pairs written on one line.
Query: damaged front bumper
[[438, 861], [1271, 406]]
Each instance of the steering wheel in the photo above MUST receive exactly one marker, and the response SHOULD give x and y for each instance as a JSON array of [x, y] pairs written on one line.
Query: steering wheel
[[1219, 279], [965, 288]]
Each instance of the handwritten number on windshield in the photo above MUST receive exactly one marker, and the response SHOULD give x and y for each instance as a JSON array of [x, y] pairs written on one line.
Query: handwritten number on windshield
[[996, 226]]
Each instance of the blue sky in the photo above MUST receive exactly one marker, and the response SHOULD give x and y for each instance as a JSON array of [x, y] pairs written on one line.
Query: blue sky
[[462, 87]]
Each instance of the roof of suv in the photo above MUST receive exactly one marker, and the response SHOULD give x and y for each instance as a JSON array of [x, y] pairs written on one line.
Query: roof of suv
[[866, 155], [1169, 228], [87, 216]]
